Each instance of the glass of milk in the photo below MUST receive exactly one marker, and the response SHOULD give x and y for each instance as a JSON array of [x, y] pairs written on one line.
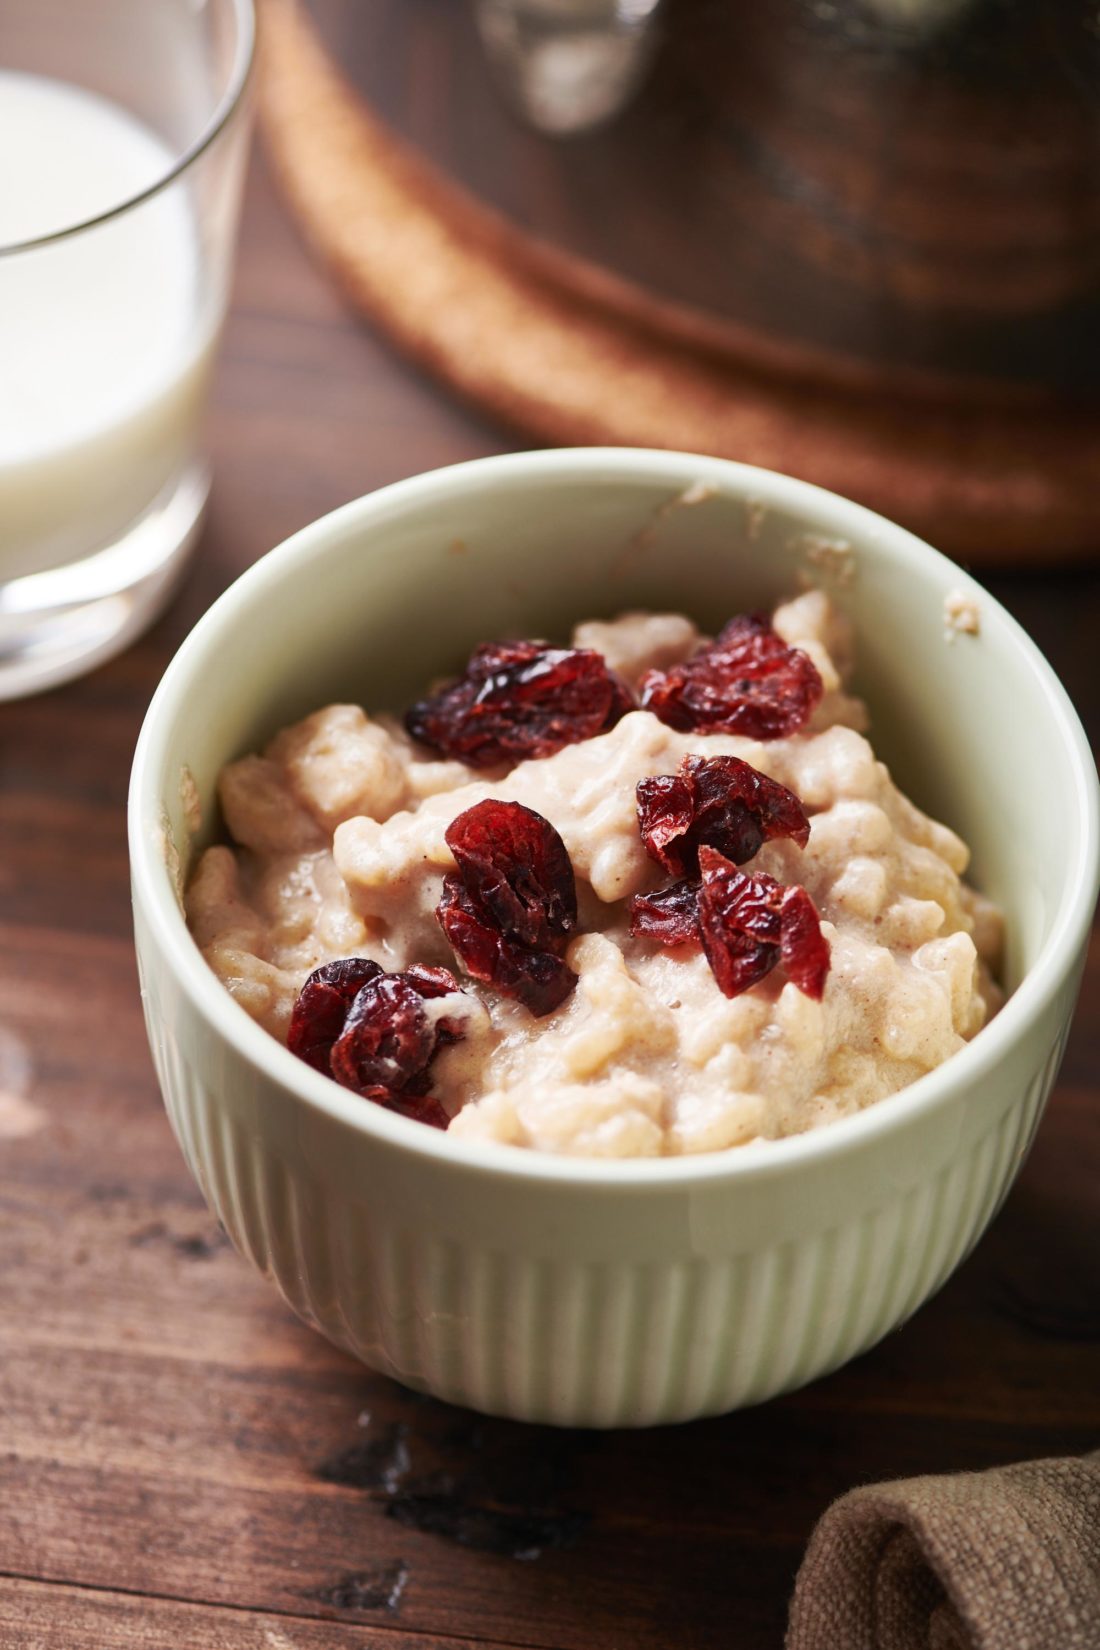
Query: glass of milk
[[123, 136]]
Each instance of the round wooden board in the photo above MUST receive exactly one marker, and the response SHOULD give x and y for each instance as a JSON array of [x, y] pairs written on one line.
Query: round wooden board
[[576, 357]]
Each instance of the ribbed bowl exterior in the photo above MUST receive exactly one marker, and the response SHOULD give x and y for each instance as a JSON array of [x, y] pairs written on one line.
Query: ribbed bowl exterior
[[562, 1303], [614, 1294]]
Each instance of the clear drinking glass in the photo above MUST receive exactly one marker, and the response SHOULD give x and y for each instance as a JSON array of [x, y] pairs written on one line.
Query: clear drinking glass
[[123, 138]]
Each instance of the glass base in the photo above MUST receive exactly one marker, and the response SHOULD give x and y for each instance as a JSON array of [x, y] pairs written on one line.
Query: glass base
[[61, 624]]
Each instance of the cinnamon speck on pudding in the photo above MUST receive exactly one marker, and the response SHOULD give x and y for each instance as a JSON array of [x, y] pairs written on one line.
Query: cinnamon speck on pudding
[[645, 895]]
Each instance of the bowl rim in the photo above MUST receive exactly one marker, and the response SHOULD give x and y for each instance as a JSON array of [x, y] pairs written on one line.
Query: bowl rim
[[213, 1004]]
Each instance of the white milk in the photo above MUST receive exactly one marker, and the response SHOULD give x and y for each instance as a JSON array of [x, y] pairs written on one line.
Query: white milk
[[104, 347]]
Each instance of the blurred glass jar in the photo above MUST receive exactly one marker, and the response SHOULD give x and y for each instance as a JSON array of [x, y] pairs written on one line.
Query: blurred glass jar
[[123, 127], [899, 194], [569, 65]]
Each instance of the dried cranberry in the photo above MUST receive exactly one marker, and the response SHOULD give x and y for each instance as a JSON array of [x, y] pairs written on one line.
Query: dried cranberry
[[411, 1103], [516, 866], [805, 948], [387, 1040], [518, 700], [749, 924], [369, 1030], [739, 923], [720, 801], [748, 681], [421, 1109], [538, 979], [669, 915], [431, 982], [513, 904], [322, 1007], [665, 814]]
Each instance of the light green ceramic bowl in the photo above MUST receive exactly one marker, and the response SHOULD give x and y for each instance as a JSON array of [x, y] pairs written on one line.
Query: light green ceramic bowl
[[594, 1293]]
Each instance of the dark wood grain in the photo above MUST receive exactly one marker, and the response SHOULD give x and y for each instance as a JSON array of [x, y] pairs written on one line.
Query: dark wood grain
[[30, 1612], [181, 1463]]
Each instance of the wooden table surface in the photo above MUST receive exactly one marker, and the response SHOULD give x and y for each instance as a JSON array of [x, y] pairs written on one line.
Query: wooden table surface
[[181, 1463]]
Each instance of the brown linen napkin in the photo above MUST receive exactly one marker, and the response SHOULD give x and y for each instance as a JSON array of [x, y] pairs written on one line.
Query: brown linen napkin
[[1001, 1560]]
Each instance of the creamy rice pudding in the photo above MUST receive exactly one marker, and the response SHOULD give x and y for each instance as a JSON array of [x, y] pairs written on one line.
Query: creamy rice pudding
[[624, 1045]]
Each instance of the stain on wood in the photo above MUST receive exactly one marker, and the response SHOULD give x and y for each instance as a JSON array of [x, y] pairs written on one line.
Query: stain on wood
[[374, 1464], [513, 1532], [372, 1590]]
